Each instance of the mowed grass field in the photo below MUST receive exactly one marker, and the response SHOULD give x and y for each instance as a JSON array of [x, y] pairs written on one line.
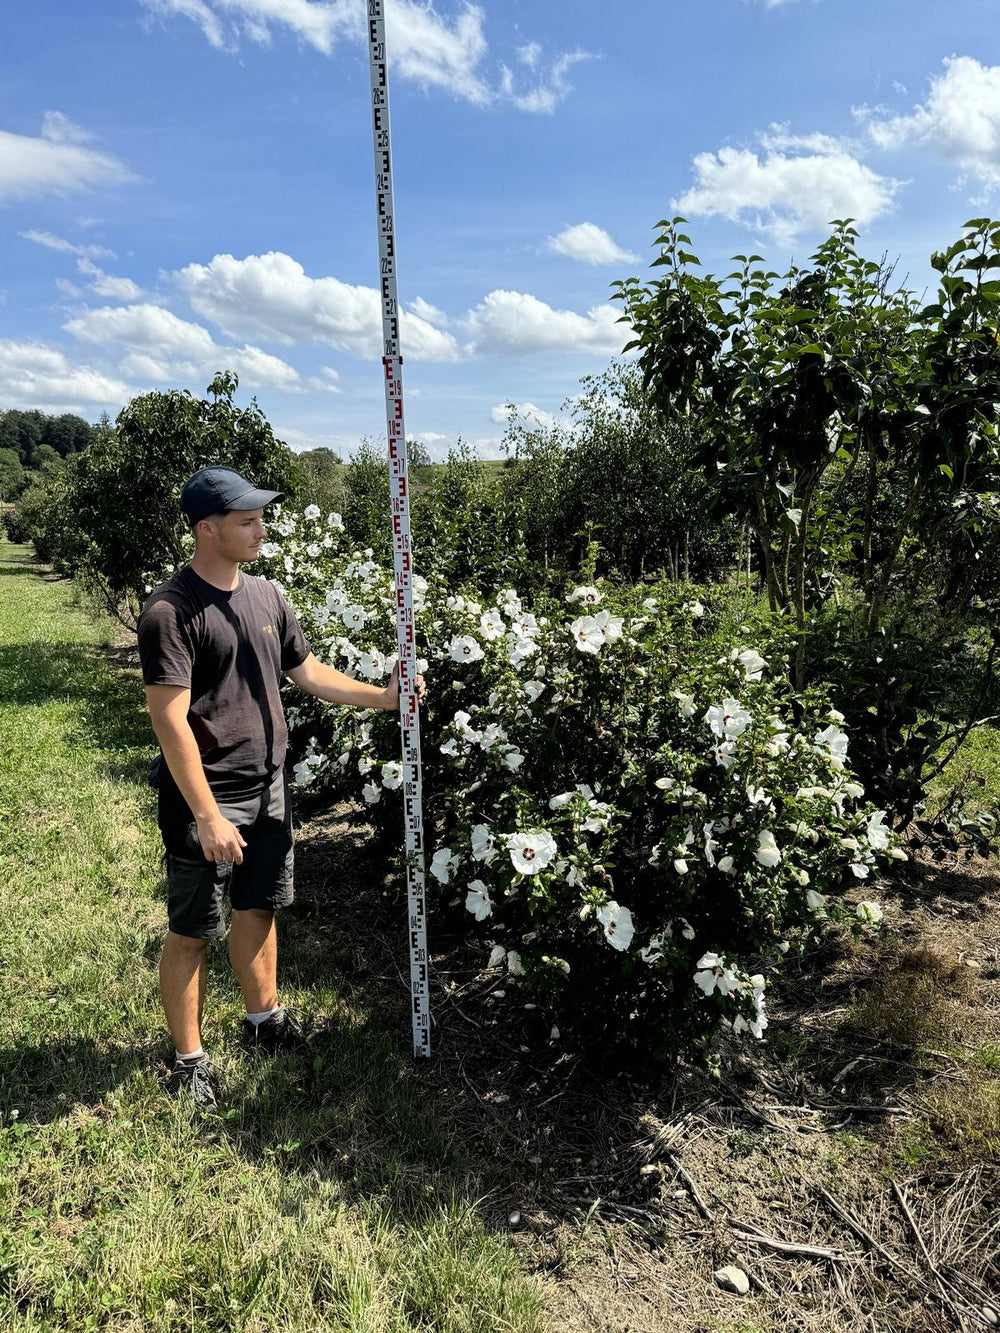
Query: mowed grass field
[[324, 1198]]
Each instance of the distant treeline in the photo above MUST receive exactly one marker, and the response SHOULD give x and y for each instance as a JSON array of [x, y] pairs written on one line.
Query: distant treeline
[[29, 440]]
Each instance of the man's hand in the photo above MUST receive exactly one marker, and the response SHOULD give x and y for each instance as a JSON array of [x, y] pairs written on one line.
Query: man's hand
[[220, 840], [391, 691]]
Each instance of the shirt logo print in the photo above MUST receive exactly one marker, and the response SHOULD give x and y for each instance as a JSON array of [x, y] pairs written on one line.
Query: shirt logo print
[[268, 629]]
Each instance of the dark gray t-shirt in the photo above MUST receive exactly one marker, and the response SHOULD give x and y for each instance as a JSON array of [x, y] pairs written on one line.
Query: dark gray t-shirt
[[229, 649]]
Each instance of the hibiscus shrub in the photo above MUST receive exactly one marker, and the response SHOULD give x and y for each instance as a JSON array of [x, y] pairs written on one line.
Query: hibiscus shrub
[[639, 815]]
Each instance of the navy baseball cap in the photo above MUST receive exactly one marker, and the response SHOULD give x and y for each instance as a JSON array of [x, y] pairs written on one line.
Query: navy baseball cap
[[215, 488]]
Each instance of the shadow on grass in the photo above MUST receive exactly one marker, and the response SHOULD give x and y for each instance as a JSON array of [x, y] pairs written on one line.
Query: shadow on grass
[[47, 1078]]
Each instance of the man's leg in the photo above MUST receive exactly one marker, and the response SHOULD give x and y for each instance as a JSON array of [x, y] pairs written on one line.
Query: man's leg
[[183, 972], [253, 952]]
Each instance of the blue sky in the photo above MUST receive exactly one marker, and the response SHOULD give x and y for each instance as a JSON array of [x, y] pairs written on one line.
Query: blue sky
[[186, 185]]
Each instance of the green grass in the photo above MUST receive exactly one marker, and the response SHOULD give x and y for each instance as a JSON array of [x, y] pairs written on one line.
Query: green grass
[[326, 1198]]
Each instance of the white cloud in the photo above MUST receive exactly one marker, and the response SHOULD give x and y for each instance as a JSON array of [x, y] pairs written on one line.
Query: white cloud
[[799, 184], [159, 346], [33, 374], [51, 242], [589, 244], [423, 45], [56, 163], [527, 413], [424, 310], [514, 323], [960, 119], [271, 297], [108, 286]]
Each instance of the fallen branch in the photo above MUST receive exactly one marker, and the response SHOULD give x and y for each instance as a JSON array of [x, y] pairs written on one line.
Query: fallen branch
[[747, 1232]]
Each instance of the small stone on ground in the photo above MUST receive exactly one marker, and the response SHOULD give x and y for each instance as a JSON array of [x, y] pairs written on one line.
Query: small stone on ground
[[733, 1279]]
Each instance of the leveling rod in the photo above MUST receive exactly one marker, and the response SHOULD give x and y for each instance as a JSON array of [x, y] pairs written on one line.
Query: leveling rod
[[392, 361]]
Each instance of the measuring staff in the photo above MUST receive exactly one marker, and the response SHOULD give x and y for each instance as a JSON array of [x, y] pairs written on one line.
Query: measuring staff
[[392, 361]]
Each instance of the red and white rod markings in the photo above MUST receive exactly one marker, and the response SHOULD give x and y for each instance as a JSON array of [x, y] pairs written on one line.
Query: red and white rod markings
[[409, 716]]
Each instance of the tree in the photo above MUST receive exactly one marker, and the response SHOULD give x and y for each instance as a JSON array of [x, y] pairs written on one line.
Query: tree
[[12, 475], [322, 477], [112, 513]]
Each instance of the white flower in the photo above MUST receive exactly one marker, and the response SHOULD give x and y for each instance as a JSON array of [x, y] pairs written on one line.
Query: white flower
[[727, 865], [372, 664], [617, 923], [311, 511], [513, 760], [681, 866], [509, 602], [444, 865], [725, 754], [877, 834], [491, 735], [870, 913], [835, 715], [520, 650], [467, 732], [533, 689], [897, 854], [590, 596], [355, 617], [450, 747], [767, 853], [392, 774], [371, 793], [335, 521], [531, 852], [695, 609], [815, 900], [752, 663], [611, 626], [304, 771], [497, 955], [685, 703], [491, 625], [465, 648], [801, 877], [365, 764], [478, 900], [728, 719], [270, 550], [861, 870], [714, 975], [587, 634], [687, 930], [710, 843], [834, 742], [514, 966], [850, 844]]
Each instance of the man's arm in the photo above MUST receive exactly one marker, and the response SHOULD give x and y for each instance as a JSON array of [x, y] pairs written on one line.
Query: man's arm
[[327, 683], [168, 709]]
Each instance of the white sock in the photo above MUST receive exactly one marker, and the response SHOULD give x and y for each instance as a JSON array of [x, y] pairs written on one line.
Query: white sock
[[193, 1056], [256, 1019]]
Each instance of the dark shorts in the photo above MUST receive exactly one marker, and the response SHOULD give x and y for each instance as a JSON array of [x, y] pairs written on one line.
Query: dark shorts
[[196, 888]]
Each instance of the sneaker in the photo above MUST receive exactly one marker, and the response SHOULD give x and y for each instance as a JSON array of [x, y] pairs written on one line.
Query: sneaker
[[193, 1079], [280, 1032]]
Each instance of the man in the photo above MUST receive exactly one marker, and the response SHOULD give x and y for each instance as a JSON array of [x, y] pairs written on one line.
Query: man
[[214, 643]]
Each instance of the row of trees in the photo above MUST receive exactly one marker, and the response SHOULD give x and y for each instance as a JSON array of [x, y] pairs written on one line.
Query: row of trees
[[31, 441], [820, 432]]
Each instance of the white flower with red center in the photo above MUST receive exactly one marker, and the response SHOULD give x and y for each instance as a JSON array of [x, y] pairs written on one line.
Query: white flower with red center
[[443, 865], [611, 626], [492, 625], [356, 617], [464, 648], [714, 975], [586, 594], [372, 664], [531, 852], [587, 634], [478, 900], [729, 719], [617, 923]]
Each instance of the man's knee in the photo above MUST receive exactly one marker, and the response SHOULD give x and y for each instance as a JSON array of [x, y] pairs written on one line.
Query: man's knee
[[261, 914], [186, 944]]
